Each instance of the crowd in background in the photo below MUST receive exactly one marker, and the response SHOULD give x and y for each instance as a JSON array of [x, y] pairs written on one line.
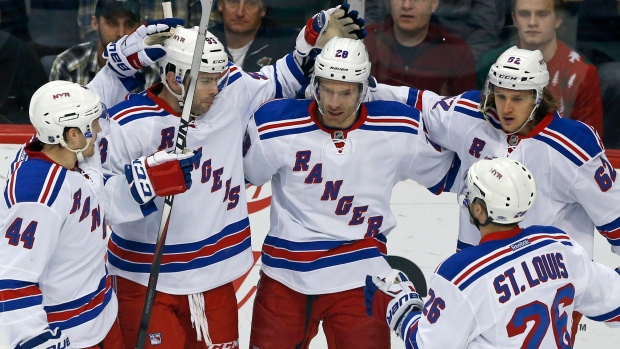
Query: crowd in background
[[445, 46]]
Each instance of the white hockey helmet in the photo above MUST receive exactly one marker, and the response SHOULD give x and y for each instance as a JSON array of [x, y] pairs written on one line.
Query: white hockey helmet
[[343, 60], [518, 69], [180, 51], [61, 104], [506, 186]]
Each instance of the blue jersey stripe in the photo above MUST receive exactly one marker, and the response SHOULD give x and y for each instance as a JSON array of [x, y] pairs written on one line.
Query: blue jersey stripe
[[85, 316], [389, 108], [321, 263], [278, 85], [181, 248], [398, 129], [560, 148], [22, 303], [61, 177], [77, 302], [611, 226], [282, 110], [306, 246], [289, 131], [294, 69], [484, 271], [182, 266], [141, 115], [607, 316]]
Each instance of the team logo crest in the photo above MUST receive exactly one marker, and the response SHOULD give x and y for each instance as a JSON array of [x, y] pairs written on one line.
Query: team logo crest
[[155, 338], [264, 61], [513, 140]]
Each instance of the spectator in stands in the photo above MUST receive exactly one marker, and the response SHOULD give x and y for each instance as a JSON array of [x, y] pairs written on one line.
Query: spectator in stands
[[573, 82], [112, 20], [21, 75], [251, 40], [478, 22], [610, 91], [189, 10], [406, 49]]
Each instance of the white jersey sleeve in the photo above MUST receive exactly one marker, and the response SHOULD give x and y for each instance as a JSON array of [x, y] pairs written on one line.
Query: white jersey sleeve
[[22, 261], [259, 163], [109, 87], [424, 330], [117, 203], [594, 187]]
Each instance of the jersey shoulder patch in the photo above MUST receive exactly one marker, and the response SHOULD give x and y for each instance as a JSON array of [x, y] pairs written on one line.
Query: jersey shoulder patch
[[280, 117], [34, 181], [575, 140]]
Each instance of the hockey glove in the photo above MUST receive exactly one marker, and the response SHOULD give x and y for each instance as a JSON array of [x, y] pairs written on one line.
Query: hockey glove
[[132, 52], [161, 174], [47, 339], [323, 26], [391, 302]]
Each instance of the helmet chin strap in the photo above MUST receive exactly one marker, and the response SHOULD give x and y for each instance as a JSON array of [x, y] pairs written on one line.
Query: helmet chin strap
[[78, 152], [529, 118]]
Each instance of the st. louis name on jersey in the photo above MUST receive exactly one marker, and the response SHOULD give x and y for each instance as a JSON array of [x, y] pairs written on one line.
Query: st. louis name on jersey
[[518, 288], [331, 189], [575, 180], [209, 240]]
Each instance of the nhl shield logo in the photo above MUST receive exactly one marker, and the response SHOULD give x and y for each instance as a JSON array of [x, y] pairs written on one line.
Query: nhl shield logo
[[513, 140], [264, 61], [155, 338], [338, 135]]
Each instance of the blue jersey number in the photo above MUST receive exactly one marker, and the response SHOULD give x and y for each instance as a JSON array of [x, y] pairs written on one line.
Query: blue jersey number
[[605, 176], [542, 316], [27, 237]]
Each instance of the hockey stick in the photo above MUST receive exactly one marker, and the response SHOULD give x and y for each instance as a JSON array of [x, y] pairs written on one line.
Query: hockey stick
[[179, 147]]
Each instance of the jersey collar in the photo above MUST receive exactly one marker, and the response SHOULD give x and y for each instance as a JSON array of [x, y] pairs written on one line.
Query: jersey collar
[[39, 155], [516, 138], [501, 235], [335, 132], [153, 91]]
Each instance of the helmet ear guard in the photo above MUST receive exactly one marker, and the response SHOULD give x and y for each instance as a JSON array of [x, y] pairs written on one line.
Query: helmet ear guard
[[506, 187]]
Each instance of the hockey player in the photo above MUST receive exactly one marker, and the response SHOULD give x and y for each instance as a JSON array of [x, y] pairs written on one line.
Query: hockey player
[[515, 117], [54, 288], [209, 241], [333, 162], [517, 289]]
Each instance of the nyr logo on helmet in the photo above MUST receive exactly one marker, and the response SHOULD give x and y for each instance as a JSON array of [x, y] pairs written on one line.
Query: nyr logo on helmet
[[61, 95], [496, 173], [178, 38]]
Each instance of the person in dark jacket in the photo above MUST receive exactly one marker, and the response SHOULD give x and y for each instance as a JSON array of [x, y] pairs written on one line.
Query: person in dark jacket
[[251, 40]]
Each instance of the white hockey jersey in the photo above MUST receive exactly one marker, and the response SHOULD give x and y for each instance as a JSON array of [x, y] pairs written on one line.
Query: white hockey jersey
[[208, 243], [52, 266], [575, 181], [330, 208], [517, 289]]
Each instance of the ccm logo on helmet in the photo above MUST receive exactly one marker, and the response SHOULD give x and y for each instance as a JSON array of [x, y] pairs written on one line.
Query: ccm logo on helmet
[[219, 61], [502, 76], [338, 68], [178, 38], [64, 94]]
